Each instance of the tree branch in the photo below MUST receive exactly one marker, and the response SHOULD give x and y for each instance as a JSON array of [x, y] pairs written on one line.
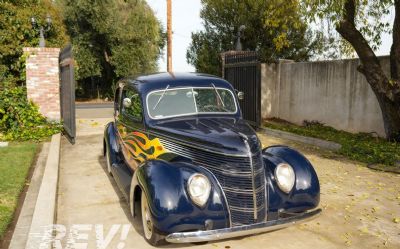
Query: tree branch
[[348, 31], [395, 49], [349, 11], [370, 65]]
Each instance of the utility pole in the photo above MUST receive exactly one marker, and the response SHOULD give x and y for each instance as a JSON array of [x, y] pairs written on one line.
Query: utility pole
[[169, 34]]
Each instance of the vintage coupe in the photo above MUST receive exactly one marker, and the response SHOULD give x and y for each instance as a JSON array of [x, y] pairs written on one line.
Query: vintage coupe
[[192, 170]]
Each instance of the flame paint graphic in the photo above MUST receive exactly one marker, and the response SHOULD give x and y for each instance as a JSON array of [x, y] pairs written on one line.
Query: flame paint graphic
[[142, 148]]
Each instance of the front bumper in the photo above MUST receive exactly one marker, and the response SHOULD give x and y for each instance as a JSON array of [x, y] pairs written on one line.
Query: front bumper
[[226, 233]]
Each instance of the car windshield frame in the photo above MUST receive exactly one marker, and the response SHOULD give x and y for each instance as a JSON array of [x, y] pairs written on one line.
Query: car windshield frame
[[192, 88]]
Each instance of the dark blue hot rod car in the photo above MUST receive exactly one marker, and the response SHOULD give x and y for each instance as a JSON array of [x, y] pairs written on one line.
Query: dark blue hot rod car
[[193, 170]]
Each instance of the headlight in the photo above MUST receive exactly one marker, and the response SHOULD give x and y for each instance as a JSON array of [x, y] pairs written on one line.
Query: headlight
[[285, 177], [199, 188]]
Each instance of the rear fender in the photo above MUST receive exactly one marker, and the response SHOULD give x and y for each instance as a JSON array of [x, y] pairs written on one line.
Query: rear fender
[[305, 194], [165, 186]]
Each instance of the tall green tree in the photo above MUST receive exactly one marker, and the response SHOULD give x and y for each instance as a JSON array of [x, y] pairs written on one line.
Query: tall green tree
[[361, 23], [16, 32], [274, 28], [112, 39]]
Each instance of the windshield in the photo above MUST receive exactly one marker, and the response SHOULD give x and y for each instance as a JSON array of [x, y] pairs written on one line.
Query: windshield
[[188, 101]]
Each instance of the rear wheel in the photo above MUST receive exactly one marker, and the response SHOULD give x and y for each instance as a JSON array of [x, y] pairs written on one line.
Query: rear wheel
[[149, 232]]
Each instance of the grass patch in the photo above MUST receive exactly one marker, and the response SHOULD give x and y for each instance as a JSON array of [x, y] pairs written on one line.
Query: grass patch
[[15, 161], [363, 147]]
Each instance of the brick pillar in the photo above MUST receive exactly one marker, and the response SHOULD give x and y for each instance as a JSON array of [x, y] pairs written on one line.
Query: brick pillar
[[42, 80]]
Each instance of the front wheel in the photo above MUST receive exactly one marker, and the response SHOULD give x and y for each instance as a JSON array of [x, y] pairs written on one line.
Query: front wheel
[[149, 232], [108, 160]]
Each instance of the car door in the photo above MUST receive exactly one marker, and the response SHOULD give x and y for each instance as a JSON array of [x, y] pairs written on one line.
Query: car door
[[129, 121]]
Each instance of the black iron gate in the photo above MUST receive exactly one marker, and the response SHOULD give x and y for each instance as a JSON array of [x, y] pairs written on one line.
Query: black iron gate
[[67, 93], [243, 70]]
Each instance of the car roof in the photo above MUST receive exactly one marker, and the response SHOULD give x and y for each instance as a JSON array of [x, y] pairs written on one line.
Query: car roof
[[158, 81]]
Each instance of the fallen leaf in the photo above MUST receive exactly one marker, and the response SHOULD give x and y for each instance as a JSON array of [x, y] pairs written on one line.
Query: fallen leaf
[[374, 209], [396, 220], [364, 230]]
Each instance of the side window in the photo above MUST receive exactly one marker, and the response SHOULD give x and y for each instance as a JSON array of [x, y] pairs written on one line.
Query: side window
[[131, 104]]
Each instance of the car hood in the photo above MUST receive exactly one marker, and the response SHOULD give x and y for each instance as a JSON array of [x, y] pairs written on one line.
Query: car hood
[[223, 135]]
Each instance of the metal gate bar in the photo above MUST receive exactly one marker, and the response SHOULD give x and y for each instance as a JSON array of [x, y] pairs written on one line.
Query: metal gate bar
[[243, 70], [67, 90]]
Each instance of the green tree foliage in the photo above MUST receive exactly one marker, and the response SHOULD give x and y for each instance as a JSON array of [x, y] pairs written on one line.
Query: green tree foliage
[[274, 28], [20, 119], [361, 23], [16, 32], [371, 19], [112, 39]]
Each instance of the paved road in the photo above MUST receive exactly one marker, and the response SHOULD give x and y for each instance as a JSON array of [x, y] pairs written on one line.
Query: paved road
[[82, 105], [360, 206], [93, 110]]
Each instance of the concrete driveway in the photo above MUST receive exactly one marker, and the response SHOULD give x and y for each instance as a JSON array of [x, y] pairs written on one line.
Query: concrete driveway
[[361, 207]]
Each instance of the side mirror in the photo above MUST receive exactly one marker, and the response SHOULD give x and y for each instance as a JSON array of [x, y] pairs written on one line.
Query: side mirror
[[240, 95], [127, 102]]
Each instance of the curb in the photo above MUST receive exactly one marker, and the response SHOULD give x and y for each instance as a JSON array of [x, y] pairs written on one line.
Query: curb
[[302, 139], [21, 229], [45, 208]]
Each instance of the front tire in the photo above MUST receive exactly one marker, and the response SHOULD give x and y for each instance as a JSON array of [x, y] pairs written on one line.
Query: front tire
[[149, 232], [108, 161]]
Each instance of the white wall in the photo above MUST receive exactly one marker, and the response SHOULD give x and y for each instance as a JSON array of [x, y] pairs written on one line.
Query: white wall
[[331, 92]]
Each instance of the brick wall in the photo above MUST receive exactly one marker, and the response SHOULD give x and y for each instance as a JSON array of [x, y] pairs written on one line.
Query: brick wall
[[42, 80]]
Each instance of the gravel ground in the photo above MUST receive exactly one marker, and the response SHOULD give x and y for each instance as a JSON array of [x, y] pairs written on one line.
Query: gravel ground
[[361, 207]]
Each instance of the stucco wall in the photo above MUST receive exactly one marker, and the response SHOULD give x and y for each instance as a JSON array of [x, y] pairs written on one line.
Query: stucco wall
[[331, 92]]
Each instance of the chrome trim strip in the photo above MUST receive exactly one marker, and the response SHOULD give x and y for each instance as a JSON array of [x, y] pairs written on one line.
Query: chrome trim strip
[[226, 233], [252, 177], [166, 138], [244, 191], [246, 210], [266, 194]]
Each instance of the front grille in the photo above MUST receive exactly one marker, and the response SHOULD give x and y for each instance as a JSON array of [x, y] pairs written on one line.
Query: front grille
[[235, 176]]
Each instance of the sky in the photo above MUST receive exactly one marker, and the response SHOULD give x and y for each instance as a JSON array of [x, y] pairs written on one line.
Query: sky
[[186, 19]]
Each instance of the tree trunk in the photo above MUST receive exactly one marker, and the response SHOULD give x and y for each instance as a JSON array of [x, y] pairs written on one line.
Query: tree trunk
[[387, 91], [391, 117], [390, 114], [395, 49]]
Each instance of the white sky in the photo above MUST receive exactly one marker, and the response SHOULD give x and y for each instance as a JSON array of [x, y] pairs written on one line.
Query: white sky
[[186, 19]]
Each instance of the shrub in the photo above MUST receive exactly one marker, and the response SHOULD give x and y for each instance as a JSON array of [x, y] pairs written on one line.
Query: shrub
[[363, 147], [20, 119]]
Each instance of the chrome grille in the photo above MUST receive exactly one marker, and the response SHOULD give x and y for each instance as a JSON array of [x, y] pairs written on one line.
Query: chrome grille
[[235, 176]]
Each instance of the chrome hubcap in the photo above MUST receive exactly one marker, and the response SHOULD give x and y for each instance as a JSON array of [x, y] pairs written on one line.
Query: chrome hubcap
[[146, 219]]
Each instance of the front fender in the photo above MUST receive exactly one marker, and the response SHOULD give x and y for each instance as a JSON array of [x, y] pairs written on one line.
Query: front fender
[[164, 184], [305, 194], [110, 143]]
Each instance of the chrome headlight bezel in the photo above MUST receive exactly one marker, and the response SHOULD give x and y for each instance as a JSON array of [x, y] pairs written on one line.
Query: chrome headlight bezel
[[200, 195], [285, 180]]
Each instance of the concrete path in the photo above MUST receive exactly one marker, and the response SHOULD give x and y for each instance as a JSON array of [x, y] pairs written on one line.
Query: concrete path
[[360, 206]]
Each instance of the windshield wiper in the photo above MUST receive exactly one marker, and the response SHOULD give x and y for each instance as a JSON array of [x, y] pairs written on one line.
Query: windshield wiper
[[220, 99], [161, 97]]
